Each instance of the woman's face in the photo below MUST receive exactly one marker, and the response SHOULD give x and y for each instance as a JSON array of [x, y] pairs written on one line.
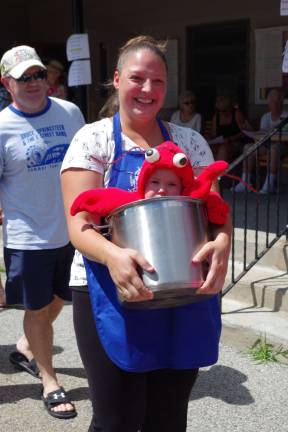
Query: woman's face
[[224, 104], [141, 85], [188, 105], [275, 101]]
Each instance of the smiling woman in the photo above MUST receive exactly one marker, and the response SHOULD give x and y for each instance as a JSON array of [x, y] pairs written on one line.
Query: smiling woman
[[134, 351]]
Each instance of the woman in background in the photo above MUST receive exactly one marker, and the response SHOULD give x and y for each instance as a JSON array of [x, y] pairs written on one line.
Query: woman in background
[[228, 123], [269, 120], [187, 116]]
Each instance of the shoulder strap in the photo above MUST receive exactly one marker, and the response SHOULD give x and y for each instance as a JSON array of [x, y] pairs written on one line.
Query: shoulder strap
[[163, 129], [118, 149]]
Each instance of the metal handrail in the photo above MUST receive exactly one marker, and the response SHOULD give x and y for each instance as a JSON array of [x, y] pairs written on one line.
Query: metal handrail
[[263, 219]]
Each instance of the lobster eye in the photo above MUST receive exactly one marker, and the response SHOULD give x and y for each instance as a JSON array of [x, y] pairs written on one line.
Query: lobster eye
[[152, 155], [180, 160]]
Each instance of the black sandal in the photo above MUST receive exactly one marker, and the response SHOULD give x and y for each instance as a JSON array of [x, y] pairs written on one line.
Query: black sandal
[[55, 398], [21, 362]]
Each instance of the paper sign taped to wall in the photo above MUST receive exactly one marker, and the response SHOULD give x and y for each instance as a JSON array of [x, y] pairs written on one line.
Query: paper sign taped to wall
[[285, 59], [284, 7], [79, 73], [77, 47]]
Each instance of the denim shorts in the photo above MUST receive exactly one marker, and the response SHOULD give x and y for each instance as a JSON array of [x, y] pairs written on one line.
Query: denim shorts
[[34, 277]]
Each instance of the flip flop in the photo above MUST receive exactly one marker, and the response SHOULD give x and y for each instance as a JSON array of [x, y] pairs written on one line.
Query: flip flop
[[21, 362], [56, 398]]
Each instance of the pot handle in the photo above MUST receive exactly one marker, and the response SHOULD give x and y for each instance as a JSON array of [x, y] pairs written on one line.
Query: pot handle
[[99, 229]]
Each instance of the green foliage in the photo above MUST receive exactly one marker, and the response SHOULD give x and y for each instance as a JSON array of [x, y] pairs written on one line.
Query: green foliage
[[264, 352]]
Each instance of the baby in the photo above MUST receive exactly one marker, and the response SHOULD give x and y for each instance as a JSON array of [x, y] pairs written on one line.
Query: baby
[[163, 182], [166, 171]]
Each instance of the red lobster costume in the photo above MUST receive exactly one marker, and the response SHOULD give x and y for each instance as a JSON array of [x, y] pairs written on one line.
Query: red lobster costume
[[101, 202]]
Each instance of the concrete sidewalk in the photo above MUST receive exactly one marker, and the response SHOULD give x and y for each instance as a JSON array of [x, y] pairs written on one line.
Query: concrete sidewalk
[[234, 395]]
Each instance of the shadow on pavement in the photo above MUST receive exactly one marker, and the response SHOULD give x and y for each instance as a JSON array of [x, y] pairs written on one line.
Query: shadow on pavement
[[75, 372], [224, 383]]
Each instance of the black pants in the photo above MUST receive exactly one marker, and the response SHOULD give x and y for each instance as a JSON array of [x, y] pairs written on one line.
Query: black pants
[[155, 401]]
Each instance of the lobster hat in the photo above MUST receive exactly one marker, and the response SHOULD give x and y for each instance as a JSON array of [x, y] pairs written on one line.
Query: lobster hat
[[168, 156]]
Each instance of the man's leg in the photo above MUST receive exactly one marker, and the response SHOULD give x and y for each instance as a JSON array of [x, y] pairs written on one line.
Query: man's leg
[[38, 330], [54, 309], [2, 294], [26, 270]]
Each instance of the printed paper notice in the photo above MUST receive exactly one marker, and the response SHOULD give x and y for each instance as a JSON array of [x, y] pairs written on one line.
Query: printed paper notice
[[79, 73], [77, 47], [284, 7], [285, 59]]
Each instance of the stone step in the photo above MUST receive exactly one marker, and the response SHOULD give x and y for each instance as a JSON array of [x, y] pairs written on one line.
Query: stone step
[[239, 318], [260, 287], [271, 293], [275, 258], [266, 283]]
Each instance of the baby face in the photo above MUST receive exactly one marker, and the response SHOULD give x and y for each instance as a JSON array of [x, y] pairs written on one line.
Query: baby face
[[163, 182]]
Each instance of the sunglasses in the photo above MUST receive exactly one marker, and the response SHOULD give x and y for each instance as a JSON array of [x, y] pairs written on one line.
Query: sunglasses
[[37, 76]]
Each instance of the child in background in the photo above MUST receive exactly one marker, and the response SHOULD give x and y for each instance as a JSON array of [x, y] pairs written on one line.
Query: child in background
[[56, 87]]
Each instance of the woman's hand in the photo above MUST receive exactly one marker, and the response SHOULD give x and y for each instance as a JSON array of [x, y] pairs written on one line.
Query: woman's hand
[[123, 266], [216, 253]]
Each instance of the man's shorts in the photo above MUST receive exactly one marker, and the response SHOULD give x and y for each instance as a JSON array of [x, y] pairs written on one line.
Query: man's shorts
[[35, 276]]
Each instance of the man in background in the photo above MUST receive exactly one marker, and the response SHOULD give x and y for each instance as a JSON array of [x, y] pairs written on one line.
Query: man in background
[[35, 132]]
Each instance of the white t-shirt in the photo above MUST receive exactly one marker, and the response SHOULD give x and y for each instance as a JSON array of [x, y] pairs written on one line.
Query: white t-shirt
[[195, 122], [32, 148], [266, 122], [93, 149]]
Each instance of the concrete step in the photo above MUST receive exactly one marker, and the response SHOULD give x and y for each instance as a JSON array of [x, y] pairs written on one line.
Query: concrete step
[[266, 283], [262, 287], [275, 258], [239, 318]]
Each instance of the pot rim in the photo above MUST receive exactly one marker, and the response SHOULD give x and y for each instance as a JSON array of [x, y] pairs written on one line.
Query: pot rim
[[149, 200]]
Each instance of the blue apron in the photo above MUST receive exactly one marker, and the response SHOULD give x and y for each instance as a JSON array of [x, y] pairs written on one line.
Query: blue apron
[[141, 340]]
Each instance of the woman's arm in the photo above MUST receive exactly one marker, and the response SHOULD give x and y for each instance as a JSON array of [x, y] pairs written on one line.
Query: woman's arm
[[216, 253], [122, 263]]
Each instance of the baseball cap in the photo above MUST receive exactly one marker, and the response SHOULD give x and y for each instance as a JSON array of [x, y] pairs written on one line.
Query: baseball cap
[[18, 59]]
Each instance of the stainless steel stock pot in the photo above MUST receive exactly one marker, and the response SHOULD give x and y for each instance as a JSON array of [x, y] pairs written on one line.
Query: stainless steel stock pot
[[167, 231]]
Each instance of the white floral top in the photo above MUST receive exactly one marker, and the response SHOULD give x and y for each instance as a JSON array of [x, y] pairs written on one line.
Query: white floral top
[[93, 146]]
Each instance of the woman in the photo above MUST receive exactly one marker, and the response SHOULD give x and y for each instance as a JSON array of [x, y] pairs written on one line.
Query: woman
[[187, 116], [228, 122], [141, 365], [269, 120]]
